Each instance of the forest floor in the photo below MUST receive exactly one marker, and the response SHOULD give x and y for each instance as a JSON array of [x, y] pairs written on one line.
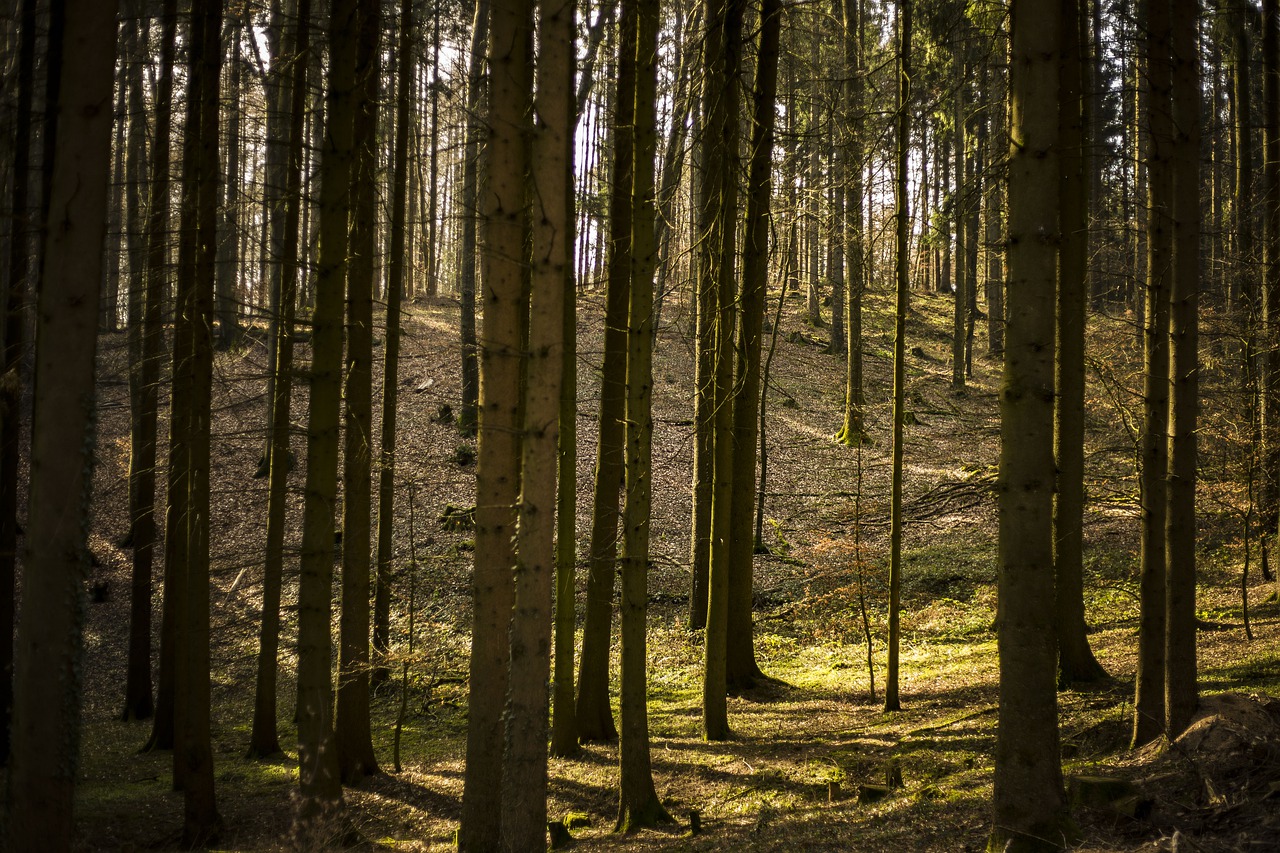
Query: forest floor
[[804, 744]]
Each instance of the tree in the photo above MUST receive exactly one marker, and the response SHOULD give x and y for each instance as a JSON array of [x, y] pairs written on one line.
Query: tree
[[1184, 366], [143, 331], [468, 417], [499, 449], [717, 235], [638, 803], [193, 364], [1076, 662], [524, 770], [853, 431], [742, 670], [46, 711], [1148, 708], [1030, 803], [318, 772], [391, 354], [594, 715], [901, 225], [11, 355], [351, 716], [264, 739]]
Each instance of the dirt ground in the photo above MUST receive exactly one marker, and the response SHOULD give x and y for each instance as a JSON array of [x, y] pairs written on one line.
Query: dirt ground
[[807, 744]]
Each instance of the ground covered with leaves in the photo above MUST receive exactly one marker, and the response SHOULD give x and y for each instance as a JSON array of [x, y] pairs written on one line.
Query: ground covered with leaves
[[814, 762]]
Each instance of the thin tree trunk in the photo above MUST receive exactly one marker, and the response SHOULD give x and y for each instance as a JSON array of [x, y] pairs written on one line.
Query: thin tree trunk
[[902, 142], [1181, 695], [264, 739], [742, 670], [1149, 715], [638, 803], [468, 415]]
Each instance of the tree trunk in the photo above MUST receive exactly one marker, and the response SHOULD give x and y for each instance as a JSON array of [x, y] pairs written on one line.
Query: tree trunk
[[1076, 662], [318, 772], [638, 804], [264, 740], [468, 416], [138, 703], [15, 321], [46, 711], [1030, 803], [397, 264], [742, 670], [1149, 717], [902, 144], [351, 715], [718, 237], [498, 481], [853, 431], [595, 718], [524, 771], [1180, 531]]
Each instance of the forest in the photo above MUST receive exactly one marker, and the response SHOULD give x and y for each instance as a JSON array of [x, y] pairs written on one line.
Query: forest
[[682, 425]]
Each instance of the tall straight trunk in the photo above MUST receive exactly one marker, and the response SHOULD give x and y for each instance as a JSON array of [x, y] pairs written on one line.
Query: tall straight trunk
[[742, 670], [318, 770], [279, 111], [524, 764], [997, 143], [193, 751], [723, 52], [351, 715], [944, 156], [1269, 311], [468, 413], [46, 710], [853, 430], [595, 719], [564, 722], [973, 198], [1244, 291], [158, 239], [229, 255], [115, 214], [433, 188], [138, 703], [1076, 662], [1181, 695], [639, 804], [498, 480], [1030, 810], [264, 739], [1149, 716], [960, 208], [15, 296], [396, 268], [902, 143]]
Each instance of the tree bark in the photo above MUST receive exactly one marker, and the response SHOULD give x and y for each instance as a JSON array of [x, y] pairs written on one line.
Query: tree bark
[[46, 711], [1030, 804]]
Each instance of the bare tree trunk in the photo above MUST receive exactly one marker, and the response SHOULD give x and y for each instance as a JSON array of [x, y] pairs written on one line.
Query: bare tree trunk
[[46, 712]]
